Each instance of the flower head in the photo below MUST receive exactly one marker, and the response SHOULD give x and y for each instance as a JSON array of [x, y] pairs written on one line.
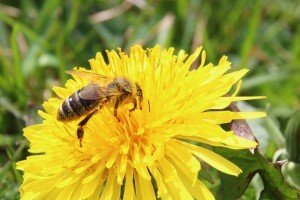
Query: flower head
[[142, 154]]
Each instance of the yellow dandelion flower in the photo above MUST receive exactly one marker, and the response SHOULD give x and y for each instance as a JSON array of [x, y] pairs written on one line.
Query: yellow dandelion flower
[[146, 153]]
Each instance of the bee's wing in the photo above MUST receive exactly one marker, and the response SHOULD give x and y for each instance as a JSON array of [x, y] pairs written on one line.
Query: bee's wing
[[93, 91], [93, 77]]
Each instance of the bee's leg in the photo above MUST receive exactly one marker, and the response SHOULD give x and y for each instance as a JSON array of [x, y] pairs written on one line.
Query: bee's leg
[[139, 94], [134, 105], [116, 108], [117, 103], [80, 131]]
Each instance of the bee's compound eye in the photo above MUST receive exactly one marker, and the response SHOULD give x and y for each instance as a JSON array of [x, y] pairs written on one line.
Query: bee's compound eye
[[127, 87], [113, 85], [126, 90]]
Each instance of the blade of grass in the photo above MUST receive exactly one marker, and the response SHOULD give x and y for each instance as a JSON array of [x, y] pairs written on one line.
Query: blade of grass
[[107, 37], [47, 10], [260, 79], [6, 80], [111, 13], [73, 16], [251, 34], [16, 156], [77, 47], [19, 78], [275, 132], [164, 35], [209, 47], [9, 151], [181, 8], [27, 32], [189, 29], [9, 106], [61, 58], [295, 49], [16, 55], [3, 35], [9, 139]]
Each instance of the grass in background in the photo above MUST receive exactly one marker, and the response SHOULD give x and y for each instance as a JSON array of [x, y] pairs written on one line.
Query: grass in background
[[39, 40]]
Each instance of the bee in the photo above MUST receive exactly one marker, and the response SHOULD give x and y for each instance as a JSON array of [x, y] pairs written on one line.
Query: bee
[[101, 91]]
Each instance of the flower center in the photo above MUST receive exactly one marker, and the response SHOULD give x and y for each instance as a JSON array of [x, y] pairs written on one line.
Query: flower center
[[134, 137]]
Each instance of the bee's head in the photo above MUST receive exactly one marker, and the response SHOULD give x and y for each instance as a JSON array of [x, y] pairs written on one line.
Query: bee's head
[[124, 85]]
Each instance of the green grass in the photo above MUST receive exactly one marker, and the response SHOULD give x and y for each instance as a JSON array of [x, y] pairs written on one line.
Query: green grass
[[39, 40]]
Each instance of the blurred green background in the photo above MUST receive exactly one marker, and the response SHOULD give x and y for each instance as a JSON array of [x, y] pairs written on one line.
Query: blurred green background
[[39, 40]]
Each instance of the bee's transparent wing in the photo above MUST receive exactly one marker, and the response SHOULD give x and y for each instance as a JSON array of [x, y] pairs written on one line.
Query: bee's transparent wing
[[93, 91], [93, 77]]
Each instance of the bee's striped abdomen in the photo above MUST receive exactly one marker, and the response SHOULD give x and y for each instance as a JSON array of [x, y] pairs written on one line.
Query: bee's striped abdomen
[[74, 107]]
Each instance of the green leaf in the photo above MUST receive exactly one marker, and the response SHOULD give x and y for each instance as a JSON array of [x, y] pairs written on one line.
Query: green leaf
[[290, 171], [274, 185], [251, 163], [292, 136]]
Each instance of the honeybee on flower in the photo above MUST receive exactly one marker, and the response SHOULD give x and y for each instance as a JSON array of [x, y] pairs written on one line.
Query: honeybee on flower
[[138, 153]]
